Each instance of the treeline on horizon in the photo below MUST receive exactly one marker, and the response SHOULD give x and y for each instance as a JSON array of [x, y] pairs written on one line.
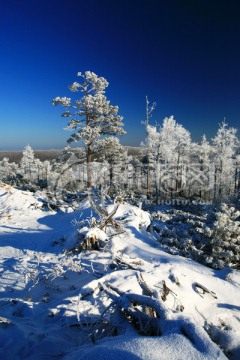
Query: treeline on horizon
[[168, 165]]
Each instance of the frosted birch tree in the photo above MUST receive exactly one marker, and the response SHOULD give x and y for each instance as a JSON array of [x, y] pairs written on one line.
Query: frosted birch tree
[[153, 145], [226, 144], [173, 150], [168, 149], [90, 116]]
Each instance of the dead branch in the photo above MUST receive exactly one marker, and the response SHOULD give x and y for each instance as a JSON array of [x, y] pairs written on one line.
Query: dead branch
[[5, 215], [166, 291], [166, 322], [109, 219], [146, 291], [101, 211], [143, 322], [131, 264], [135, 300], [113, 289], [204, 289], [144, 285]]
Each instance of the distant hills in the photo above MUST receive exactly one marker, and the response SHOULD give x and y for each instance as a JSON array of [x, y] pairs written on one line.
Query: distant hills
[[15, 156]]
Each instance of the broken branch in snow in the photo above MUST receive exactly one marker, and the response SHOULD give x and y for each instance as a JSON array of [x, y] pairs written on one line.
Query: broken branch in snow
[[164, 323], [146, 312], [95, 238], [144, 286], [5, 215], [204, 289], [146, 291], [129, 305], [134, 264], [110, 220], [166, 291], [102, 212], [115, 291]]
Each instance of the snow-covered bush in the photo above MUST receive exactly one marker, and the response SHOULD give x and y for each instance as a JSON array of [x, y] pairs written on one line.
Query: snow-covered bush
[[212, 239], [93, 238], [224, 238]]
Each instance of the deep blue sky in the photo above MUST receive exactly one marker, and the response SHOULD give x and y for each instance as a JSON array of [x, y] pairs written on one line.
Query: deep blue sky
[[185, 55]]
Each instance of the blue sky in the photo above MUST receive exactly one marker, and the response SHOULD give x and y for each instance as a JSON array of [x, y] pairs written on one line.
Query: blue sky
[[183, 54]]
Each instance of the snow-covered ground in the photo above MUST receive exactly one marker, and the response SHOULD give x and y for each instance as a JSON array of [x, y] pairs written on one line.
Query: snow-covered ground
[[54, 303]]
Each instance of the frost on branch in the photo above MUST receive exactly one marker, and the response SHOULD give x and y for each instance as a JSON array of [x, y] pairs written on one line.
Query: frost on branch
[[64, 101], [85, 133], [74, 87], [66, 114], [98, 83]]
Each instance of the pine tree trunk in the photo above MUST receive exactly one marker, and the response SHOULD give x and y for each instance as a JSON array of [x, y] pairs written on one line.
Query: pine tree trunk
[[148, 177], [235, 179], [89, 166], [111, 178], [89, 151]]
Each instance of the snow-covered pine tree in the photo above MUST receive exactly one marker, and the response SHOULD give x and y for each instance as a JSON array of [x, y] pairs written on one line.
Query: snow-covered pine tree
[[90, 116]]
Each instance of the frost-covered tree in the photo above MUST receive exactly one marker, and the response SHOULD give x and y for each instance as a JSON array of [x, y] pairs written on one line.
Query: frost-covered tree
[[169, 151], [174, 151], [5, 168], [225, 143], [175, 140], [38, 165], [152, 145], [90, 116], [203, 168], [149, 109], [46, 169], [205, 150], [27, 162], [110, 150]]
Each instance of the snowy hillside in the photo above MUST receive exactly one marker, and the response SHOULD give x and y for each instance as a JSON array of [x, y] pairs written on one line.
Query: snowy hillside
[[60, 303]]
